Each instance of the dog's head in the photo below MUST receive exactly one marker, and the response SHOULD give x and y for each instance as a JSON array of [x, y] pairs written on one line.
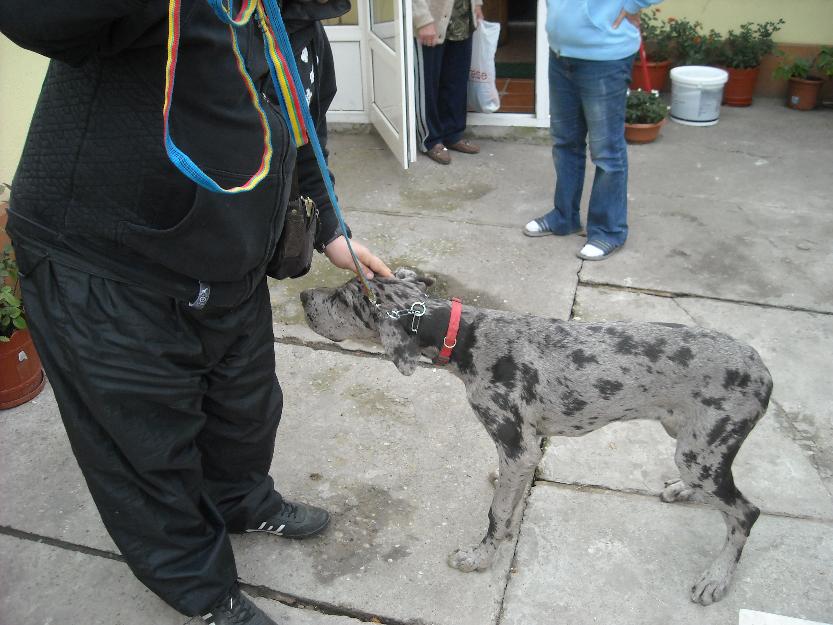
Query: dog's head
[[346, 313]]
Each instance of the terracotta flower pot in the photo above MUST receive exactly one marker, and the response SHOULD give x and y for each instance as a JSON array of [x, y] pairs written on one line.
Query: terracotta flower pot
[[642, 133], [802, 94], [21, 375], [741, 86], [657, 74]]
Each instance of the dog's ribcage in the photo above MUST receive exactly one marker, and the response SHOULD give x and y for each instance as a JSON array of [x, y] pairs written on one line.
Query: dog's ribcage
[[568, 378]]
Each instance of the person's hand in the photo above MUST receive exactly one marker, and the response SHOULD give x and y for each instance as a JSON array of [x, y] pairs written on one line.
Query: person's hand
[[478, 13], [427, 35], [633, 18], [339, 255]]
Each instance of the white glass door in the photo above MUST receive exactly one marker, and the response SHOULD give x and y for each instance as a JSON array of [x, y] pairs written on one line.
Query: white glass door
[[390, 72]]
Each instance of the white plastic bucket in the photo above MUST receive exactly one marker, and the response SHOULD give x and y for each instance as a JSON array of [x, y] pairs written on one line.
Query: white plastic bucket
[[696, 92]]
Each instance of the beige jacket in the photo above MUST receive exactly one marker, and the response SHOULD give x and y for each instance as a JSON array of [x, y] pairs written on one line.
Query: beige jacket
[[439, 12]]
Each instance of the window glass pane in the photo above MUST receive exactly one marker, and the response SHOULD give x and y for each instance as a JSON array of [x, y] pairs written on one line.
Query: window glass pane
[[351, 18], [382, 21]]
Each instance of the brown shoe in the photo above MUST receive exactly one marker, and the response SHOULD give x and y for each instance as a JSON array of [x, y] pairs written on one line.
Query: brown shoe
[[465, 146], [440, 154]]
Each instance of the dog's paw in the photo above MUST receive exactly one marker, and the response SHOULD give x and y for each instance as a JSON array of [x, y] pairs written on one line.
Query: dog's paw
[[470, 559], [710, 588], [676, 491]]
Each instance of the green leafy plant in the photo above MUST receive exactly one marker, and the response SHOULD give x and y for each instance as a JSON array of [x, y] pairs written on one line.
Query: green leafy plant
[[645, 107], [746, 48], [691, 45], [12, 316], [793, 68], [656, 35], [824, 61]]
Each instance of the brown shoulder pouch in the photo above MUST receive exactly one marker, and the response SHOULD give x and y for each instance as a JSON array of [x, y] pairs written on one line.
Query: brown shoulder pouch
[[293, 254]]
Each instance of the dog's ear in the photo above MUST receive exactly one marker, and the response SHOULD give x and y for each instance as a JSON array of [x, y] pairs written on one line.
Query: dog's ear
[[403, 273], [426, 281], [400, 346]]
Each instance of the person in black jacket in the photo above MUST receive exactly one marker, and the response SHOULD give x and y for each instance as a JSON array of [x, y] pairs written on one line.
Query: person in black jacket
[[146, 294]]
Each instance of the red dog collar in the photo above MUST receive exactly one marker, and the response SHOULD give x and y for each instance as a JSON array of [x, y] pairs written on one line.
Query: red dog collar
[[450, 339]]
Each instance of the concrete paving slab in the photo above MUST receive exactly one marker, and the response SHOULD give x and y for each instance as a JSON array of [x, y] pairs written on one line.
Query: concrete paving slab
[[735, 251], [506, 184], [796, 347], [587, 558], [639, 455], [775, 156], [402, 464], [42, 584], [44, 492]]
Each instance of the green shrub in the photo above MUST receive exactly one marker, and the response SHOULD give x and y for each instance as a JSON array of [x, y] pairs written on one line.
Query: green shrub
[[644, 107], [746, 48]]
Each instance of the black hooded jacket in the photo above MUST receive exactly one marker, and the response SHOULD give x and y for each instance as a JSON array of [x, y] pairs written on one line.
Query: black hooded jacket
[[94, 186]]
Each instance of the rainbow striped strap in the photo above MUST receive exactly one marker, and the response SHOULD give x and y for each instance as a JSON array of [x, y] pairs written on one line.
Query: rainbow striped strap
[[282, 79], [181, 160]]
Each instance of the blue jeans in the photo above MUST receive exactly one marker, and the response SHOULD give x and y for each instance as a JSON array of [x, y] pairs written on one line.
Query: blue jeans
[[587, 99]]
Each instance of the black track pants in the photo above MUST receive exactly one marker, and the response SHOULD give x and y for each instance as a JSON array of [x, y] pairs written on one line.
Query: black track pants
[[171, 413]]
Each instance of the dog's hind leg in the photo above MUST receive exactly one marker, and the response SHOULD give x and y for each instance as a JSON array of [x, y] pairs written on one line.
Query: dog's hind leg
[[518, 458], [708, 471], [675, 490]]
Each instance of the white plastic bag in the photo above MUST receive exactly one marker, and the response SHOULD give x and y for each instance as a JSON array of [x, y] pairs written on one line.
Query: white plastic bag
[[483, 96]]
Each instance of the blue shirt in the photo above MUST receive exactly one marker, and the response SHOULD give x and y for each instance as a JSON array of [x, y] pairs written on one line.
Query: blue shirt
[[583, 29]]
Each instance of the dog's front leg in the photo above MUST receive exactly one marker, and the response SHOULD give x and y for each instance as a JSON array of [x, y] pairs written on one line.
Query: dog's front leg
[[517, 464]]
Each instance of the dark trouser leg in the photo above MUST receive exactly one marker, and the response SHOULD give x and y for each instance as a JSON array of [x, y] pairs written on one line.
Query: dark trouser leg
[[430, 125], [130, 370], [454, 78], [243, 403]]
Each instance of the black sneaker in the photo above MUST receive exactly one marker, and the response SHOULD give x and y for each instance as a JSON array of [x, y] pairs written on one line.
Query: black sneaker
[[236, 609], [295, 520]]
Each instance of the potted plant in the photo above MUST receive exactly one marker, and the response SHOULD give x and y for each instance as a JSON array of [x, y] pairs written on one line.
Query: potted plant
[[21, 374], [803, 89], [824, 64], [645, 114], [656, 37], [691, 46], [741, 55]]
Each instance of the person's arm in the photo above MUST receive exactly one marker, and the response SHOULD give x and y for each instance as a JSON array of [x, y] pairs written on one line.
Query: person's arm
[[630, 11], [67, 30], [422, 14], [424, 27], [322, 91]]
